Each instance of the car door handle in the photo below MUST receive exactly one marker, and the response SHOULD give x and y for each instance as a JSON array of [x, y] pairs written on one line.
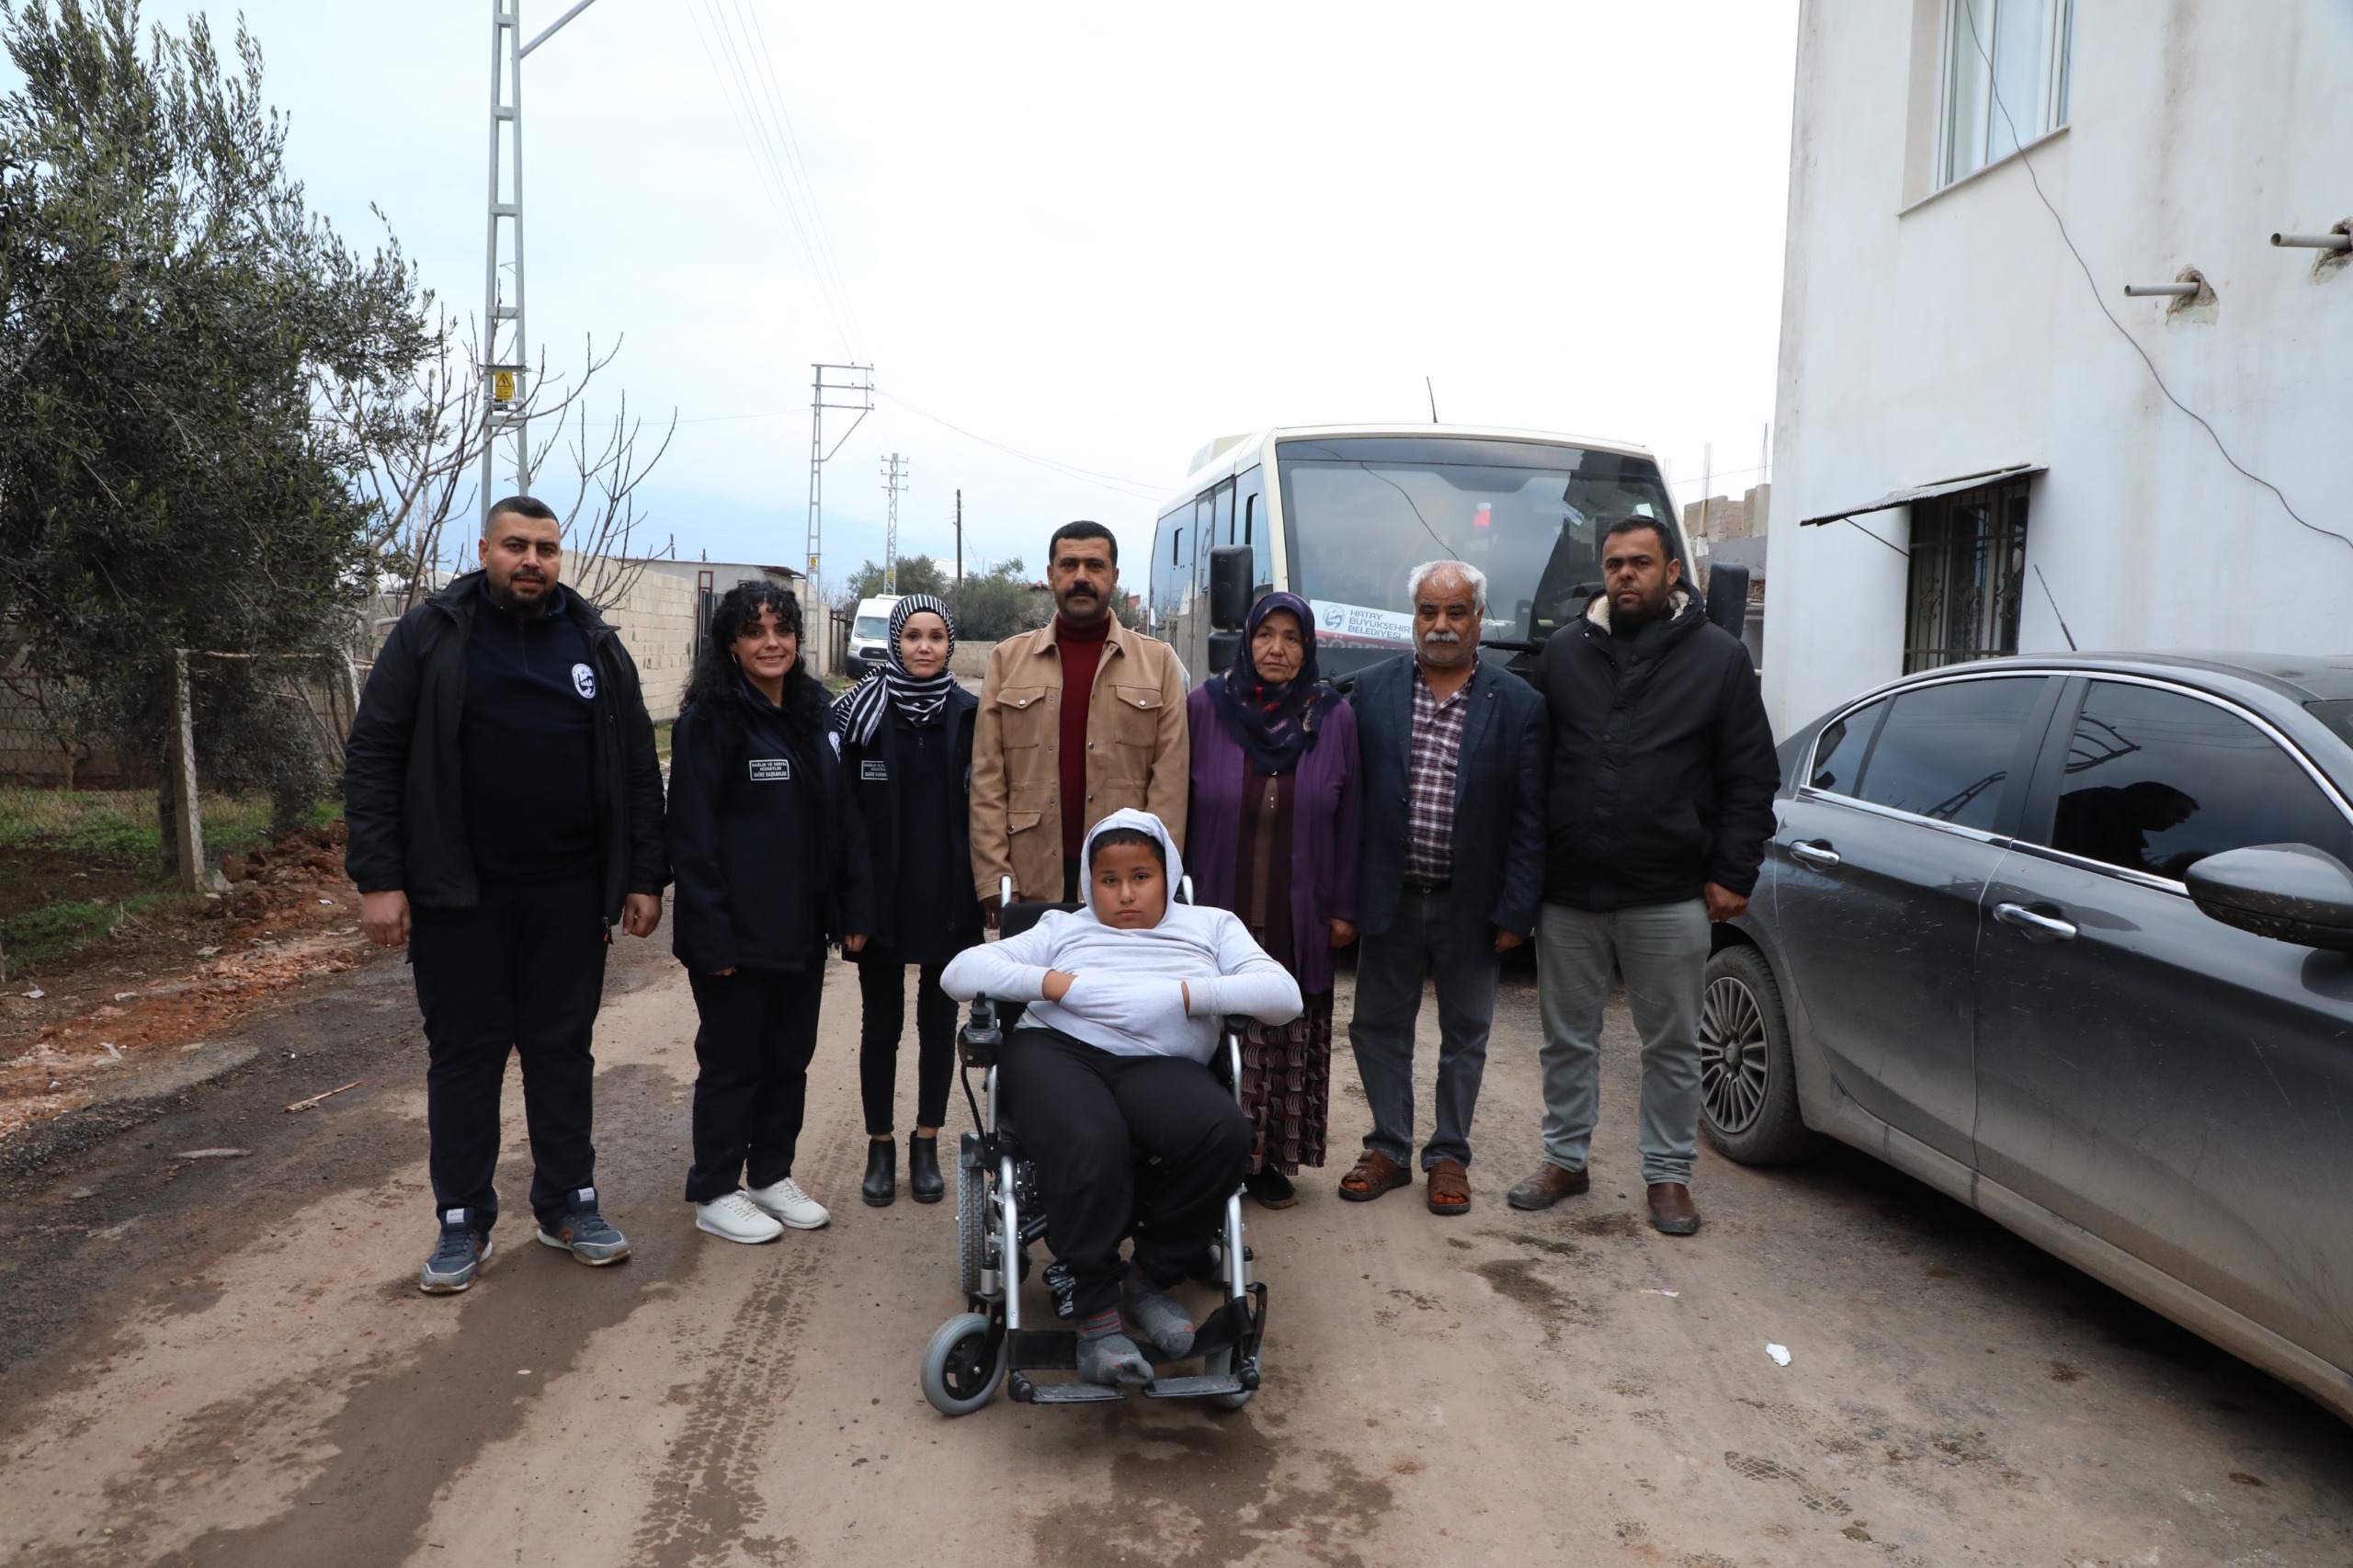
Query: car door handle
[[2025, 919], [1816, 855]]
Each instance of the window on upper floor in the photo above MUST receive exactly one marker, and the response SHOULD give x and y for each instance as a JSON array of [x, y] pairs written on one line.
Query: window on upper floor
[[2005, 79]]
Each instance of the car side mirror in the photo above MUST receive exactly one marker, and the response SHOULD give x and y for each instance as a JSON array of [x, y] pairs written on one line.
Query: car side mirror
[[1229, 586], [2291, 893]]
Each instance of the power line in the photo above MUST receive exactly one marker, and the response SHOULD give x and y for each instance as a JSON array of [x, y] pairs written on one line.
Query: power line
[[1995, 87], [1140, 489], [763, 141]]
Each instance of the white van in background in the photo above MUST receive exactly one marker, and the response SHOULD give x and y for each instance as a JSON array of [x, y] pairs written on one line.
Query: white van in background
[[870, 636]]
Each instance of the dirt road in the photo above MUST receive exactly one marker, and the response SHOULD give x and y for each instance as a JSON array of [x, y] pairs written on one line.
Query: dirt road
[[224, 1360]]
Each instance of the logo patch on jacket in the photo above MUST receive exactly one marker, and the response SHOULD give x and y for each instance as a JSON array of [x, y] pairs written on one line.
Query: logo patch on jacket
[[881, 770], [772, 769], [584, 681]]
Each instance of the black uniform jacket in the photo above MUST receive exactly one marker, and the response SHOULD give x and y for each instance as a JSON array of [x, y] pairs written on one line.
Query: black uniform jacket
[[1663, 765], [873, 769], [766, 842], [404, 781]]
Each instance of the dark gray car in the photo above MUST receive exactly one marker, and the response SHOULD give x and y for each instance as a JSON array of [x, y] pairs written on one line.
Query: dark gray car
[[2072, 940]]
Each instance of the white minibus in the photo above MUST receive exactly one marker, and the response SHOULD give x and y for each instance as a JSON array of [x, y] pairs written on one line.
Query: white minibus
[[1340, 513]]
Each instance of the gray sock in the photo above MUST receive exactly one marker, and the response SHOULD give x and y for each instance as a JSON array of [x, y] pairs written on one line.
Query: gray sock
[[1109, 1357], [1167, 1324]]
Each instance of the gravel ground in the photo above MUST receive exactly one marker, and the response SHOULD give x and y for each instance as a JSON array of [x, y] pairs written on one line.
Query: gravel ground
[[224, 1360]]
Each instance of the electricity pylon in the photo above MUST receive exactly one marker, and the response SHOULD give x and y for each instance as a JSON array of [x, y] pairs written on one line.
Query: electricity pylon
[[855, 382], [894, 480], [504, 346]]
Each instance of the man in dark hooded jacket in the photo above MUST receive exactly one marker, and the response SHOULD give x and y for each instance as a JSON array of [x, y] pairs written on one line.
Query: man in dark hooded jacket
[[504, 803], [1661, 802]]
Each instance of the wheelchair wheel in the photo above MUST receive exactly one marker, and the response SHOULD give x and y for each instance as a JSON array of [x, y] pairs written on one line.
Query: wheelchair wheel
[[972, 1216], [1217, 1364], [960, 1375]]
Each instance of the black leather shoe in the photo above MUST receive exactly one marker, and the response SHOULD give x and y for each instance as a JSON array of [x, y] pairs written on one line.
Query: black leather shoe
[[882, 1184], [923, 1169]]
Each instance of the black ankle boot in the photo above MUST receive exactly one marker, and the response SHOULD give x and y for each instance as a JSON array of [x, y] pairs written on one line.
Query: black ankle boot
[[882, 1184], [923, 1169], [1271, 1188]]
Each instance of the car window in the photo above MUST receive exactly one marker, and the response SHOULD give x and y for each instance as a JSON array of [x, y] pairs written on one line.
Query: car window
[[1839, 750], [2156, 779], [1945, 751]]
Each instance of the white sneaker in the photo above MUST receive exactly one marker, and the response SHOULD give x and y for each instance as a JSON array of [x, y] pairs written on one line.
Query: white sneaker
[[735, 1217], [790, 1204]]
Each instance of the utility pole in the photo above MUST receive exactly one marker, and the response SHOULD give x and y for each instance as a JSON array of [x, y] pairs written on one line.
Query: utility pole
[[960, 537], [506, 348], [854, 385], [895, 479]]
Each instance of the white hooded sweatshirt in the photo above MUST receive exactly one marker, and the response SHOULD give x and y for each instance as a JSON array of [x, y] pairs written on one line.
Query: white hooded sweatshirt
[[1129, 988]]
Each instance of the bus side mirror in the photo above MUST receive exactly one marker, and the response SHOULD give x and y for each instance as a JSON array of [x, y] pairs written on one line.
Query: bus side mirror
[[1224, 648], [1728, 598], [1229, 586]]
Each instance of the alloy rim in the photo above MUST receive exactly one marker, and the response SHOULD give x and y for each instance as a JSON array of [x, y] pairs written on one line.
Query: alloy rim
[[1732, 1055]]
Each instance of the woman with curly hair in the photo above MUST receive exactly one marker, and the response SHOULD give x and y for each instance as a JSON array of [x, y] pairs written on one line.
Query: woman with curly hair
[[770, 860]]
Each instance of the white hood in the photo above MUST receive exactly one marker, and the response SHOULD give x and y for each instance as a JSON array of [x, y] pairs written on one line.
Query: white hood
[[1142, 822]]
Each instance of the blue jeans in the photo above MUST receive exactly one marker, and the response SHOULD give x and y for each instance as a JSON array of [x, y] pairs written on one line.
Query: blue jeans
[[1390, 971], [1662, 949]]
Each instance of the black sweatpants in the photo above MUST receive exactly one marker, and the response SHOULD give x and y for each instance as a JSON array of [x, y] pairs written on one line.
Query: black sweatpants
[[882, 987], [760, 1029], [1084, 1115], [522, 970]]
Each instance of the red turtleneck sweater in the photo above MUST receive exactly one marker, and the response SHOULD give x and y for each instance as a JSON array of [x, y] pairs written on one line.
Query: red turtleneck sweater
[[1080, 648]]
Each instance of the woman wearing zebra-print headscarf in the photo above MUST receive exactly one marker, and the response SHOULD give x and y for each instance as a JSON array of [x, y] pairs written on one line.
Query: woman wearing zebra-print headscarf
[[906, 734]]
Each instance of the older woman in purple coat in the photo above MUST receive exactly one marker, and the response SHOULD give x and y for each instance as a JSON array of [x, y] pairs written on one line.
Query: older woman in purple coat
[[1273, 834]]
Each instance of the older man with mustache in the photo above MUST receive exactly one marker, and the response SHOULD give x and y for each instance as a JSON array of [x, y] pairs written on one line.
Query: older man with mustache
[[1453, 754]]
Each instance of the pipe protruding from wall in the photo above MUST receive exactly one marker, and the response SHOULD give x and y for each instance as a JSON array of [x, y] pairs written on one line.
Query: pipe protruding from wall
[[2339, 241]]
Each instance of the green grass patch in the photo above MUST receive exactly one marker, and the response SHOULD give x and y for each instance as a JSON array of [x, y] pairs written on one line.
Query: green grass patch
[[661, 739], [58, 928], [119, 826]]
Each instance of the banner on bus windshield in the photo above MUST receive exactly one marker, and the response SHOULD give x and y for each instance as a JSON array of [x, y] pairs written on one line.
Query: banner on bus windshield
[[1360, 626]]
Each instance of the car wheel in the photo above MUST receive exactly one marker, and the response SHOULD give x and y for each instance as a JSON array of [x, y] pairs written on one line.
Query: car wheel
[[1748, 1091]]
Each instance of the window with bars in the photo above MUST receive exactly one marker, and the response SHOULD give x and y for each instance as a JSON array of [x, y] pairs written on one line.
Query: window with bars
[[2006, 67], [1968, 576]]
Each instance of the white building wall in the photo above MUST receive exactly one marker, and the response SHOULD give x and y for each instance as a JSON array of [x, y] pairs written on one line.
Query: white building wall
[[1927, 336]]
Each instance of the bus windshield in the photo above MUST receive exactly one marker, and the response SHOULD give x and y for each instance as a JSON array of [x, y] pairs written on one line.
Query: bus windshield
[[1362, 512]]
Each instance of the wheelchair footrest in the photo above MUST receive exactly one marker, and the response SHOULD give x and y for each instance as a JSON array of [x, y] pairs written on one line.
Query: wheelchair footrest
[[1024, 1391], [1043, 1350], [1192, 1387]]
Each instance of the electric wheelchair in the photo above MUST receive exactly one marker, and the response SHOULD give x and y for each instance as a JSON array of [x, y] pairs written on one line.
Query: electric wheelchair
[[999, 1217]]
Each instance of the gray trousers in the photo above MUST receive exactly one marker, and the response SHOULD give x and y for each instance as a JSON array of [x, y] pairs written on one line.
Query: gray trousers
[[1662, 949], [1390, 971]]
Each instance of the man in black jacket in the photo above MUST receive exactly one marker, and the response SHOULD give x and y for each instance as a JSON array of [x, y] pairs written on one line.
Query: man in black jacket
[[1661, 802], [504, 803]]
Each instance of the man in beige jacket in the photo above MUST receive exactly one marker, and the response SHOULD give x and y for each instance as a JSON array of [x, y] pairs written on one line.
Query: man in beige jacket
[[1078, 718]]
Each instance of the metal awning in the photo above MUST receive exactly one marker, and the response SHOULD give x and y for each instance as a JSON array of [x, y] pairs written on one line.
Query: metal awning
[[1928, 492]]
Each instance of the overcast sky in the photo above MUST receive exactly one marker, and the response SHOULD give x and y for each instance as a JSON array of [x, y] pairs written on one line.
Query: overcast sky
[[1100, 234]]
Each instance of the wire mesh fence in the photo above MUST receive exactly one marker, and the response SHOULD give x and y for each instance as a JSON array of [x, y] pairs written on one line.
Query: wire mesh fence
[[64, 791]]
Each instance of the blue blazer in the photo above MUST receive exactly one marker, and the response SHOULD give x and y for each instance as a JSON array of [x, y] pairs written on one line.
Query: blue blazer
[[1498, 800]]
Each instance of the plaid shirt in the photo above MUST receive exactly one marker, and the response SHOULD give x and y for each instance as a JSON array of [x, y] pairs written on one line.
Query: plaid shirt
[[1429, 789]]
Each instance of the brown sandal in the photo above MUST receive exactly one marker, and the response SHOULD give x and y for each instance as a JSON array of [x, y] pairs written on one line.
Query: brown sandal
[[1374, 1173], [1449, 1187]]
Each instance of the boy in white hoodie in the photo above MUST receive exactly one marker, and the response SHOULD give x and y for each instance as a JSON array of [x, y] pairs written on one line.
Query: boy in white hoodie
[[1124, 1001]]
